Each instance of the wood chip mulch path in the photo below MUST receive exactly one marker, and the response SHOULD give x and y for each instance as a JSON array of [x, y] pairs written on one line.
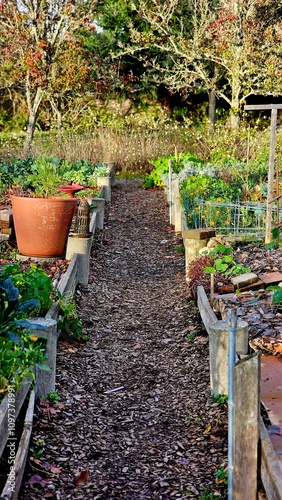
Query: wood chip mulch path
[[135, 419]]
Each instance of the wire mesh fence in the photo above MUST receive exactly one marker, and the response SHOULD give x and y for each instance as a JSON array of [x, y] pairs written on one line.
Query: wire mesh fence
[[229, 218]]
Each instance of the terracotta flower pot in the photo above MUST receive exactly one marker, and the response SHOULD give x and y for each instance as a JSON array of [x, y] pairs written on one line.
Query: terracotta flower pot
[[42, 224]]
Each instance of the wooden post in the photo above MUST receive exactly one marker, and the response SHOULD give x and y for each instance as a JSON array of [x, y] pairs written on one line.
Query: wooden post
[[246, 426], [270, 175], [273, 108]]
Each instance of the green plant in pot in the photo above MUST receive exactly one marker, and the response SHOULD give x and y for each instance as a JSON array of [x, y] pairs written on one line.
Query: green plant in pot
[[42, 216]]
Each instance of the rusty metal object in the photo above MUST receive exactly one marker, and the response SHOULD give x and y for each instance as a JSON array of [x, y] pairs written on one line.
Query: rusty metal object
[[82, 220]]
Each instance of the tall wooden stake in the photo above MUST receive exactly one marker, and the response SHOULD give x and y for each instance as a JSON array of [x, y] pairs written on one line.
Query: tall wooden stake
[[273, 108]]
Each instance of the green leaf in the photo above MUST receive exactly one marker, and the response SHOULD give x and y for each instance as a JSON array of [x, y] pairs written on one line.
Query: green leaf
[[210, 270], [220, 248], [277, 297], [221, 267], [270, 245], [275, 232], [227, 259]]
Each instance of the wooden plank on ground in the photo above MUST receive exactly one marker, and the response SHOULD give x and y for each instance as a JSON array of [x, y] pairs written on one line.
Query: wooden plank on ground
[[246, 426], [198, 234]]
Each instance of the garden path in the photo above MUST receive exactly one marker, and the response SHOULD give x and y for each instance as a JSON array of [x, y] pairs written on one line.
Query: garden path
[[135, 419]]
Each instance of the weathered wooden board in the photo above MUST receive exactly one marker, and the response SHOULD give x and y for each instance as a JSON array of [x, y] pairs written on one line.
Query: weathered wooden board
[[198, 234], [13, 484], [20, 396], [246, 426], [5, 224], [270, 467]]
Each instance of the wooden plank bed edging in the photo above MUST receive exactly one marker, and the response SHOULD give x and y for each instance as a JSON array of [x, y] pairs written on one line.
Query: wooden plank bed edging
[[270, 467], [13, 484], [17, 400]]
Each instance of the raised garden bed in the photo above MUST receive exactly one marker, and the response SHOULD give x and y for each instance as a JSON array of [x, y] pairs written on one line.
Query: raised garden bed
[[269, 464], [76, 273], [270, 467]]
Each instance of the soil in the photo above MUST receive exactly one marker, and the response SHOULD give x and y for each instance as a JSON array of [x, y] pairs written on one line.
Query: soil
[[135, 419]]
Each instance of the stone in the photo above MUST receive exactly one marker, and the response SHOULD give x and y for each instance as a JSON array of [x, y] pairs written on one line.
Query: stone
[[218, 240]]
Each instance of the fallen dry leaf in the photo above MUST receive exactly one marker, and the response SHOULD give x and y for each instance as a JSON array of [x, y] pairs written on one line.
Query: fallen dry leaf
[[36, 479], [189, 329], [55, 470], [207, 429], [81, 478]]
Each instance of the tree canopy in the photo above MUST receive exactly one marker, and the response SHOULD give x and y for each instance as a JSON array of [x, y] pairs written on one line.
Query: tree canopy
[[229, 47], [41, 50], [57, 50]]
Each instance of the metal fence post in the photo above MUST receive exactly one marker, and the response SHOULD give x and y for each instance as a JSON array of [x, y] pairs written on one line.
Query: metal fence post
[[231, 363]]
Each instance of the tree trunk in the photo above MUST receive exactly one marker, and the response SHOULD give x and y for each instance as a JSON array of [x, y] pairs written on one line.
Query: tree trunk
[[235, 79], [57, 110], [33, 107], [235, 106], [59, 124], [234, 120], [212, 110], [29, 133]]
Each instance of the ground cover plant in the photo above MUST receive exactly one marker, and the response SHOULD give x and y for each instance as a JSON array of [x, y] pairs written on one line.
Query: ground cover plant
[[22, 294], [26, 291]]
